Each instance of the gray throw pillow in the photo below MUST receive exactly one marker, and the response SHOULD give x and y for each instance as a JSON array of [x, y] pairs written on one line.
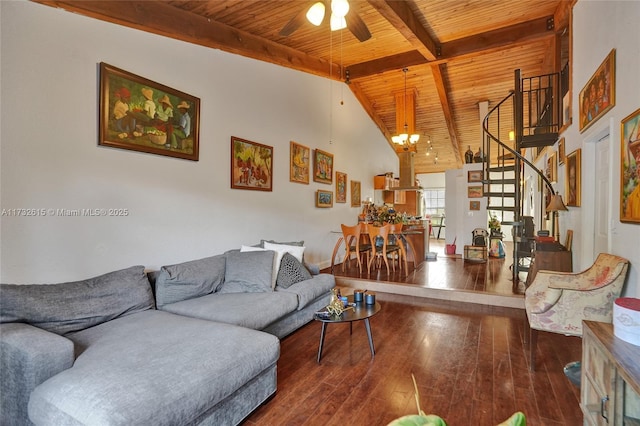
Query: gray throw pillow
[[67, 307], [291, 271], [191, 279], [248, 272]]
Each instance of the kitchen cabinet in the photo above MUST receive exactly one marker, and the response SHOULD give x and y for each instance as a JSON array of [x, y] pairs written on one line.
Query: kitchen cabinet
[[610, 377]]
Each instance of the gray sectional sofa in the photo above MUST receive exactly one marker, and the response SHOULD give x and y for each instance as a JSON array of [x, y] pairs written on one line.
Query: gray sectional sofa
[[193, 343]]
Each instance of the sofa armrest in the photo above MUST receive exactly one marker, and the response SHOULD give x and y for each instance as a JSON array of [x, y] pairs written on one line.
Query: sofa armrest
[[28, 357]]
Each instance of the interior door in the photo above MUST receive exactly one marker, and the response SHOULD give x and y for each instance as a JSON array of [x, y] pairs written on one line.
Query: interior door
[[603, 197]]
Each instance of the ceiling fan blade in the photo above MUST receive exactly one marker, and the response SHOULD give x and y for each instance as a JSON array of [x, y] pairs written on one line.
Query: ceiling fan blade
[[297, 21], [357, 26]]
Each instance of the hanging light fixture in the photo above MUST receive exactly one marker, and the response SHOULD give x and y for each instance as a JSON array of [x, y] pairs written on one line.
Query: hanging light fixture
[[404, 139], [339, 9], [315, 14], [429, 146]]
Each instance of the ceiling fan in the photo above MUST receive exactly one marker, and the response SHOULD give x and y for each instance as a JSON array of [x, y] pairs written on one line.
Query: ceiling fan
[[341, 17]]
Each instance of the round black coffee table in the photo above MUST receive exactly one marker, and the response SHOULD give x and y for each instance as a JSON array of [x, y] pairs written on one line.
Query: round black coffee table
[[360, 311]]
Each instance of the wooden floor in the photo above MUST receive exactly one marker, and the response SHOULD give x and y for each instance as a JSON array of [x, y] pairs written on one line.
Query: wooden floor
[[471, 363]]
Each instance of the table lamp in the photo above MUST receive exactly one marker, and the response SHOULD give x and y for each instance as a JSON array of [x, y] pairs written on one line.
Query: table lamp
[[554, 206]]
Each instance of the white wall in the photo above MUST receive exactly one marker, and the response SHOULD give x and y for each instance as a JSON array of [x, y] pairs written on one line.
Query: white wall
[[178, 209], [598, 27]]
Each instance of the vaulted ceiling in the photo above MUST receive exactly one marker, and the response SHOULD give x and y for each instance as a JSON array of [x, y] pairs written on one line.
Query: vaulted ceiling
[[458, 52]]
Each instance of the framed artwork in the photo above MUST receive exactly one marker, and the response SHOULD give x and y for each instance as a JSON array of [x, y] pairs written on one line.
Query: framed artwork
[[322, 167], [356, 199], [561, 152], [572, 180], [598, 95], [341, 187], [474, 191], [474, 176], [630, 168], [552, 168], [251, 165], [141, 115], [474, 205], [324, 198], [299, 163]]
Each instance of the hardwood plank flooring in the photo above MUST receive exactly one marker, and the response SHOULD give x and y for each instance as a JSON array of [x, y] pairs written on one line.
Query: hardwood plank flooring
[[470, 361]]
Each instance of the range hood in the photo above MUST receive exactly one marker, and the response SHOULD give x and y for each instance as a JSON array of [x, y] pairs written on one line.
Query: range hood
[[407, 173]]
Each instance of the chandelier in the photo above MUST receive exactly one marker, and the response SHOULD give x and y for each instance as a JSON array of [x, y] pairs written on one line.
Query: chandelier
[[405, 139]]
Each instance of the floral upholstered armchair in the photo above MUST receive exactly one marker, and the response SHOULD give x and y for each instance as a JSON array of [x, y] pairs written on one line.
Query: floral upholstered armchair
[[559, 301]]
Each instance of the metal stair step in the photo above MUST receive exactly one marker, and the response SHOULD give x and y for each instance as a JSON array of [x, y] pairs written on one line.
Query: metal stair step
[[500, 194], [501, 181], [539, 140], [502, 208], [510, 168]]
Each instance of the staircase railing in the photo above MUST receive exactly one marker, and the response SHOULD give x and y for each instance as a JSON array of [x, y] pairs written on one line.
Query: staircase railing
[[512, 113]]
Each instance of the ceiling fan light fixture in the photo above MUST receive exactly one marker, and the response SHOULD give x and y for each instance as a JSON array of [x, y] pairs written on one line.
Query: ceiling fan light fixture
[[315, 14], [340, 8], [337, 22]]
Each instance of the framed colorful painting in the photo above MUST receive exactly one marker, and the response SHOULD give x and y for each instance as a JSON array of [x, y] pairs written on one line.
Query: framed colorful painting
[[324, 198], [141, 115], [322, 167], [251, 165], [573, 178], [474, 191], [474, 176], [341, 187], [474, 205], [356, 196], [561, 151], [630, 168], [299, 163], [598, 95]]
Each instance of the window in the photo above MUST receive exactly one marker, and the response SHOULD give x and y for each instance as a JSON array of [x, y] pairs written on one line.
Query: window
[[433, 201]]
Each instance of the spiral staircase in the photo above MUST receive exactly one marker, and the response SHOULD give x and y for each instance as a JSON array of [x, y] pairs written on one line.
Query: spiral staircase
[[527, 119]]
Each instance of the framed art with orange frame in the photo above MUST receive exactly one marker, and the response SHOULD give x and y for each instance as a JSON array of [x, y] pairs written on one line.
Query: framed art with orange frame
[[341, 187], [573, 178], [299, 163], [598, 95], [251, 165], [474, 191], [630, 168]]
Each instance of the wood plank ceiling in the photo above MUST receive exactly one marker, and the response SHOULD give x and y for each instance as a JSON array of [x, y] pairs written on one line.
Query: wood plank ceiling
[[457, 52]]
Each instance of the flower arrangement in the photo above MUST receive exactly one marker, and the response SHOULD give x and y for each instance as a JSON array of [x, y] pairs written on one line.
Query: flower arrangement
[[494, 223]]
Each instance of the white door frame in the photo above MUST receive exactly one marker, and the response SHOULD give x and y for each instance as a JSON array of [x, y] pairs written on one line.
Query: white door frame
[[588, 185]]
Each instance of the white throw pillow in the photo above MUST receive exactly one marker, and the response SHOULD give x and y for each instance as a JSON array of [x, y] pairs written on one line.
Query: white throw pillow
[[276, 261], [295, 251]]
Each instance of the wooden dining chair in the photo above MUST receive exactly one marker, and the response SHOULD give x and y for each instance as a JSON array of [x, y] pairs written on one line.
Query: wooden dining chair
[[568, 242], [396, 247], [353, 245], [379, 236]]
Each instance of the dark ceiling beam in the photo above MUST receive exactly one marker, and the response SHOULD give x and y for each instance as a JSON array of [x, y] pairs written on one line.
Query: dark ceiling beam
[[159, 17], [400, 15], [473, 45]]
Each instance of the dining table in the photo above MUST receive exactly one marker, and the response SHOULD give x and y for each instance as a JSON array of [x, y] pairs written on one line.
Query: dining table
[[407, 236]]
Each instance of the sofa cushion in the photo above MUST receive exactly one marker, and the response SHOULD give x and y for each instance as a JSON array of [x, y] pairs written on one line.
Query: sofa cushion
[[308, 290], [291, 271], [67, 307], [152, 368], [189, 279], [250, 271], [251, 310]]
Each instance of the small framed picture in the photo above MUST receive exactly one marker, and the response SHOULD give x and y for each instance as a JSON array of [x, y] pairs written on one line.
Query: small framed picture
[[322, 167], [552, 168], [474, 191], [356, 197], [474, 205], [561, 151], [324, 198], [341, 187], [299, 163], [474, 176]]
